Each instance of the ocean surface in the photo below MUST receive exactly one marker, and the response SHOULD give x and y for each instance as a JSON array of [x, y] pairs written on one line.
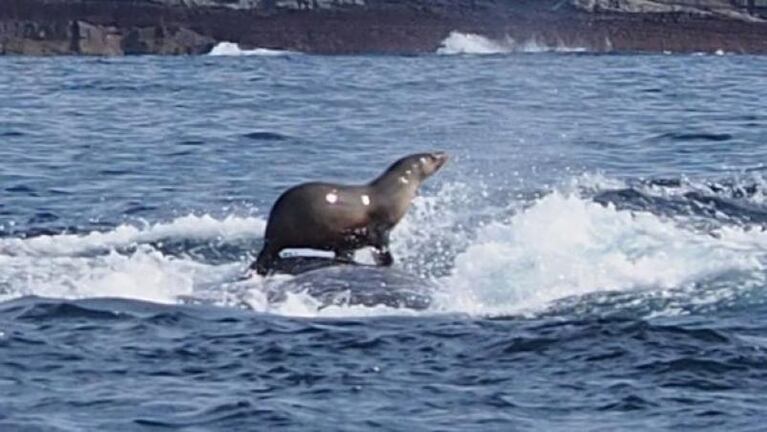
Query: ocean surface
[[592, 258]]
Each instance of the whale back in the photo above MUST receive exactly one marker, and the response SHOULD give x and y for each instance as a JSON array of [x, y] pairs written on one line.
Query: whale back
[[331, 283]]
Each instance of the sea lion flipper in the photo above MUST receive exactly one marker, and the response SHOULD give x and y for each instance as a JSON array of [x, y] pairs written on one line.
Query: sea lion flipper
[[383, 257], [379, 239], [265, 260]]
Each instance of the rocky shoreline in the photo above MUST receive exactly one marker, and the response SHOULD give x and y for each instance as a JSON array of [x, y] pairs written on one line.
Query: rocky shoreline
[[119, 27]]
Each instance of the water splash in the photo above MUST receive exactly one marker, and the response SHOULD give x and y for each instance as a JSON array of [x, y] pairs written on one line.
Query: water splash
[[565, 245], [189, 227], [233, 49], [127, 261], [472, 43], [488, 259]]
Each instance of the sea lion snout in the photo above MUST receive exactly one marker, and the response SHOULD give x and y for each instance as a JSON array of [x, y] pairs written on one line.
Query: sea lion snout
[[441, 158], [433, 162]]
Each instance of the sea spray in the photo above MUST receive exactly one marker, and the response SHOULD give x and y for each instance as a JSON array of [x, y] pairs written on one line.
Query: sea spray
[[232, 49], [566, 245], [487, 259], [472, 43]]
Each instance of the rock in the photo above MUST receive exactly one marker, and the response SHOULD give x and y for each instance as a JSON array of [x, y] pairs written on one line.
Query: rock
[[35, 38], [117, 27], [80, 37], [96, 40], [165, 40], [701, 8], [634, 6]]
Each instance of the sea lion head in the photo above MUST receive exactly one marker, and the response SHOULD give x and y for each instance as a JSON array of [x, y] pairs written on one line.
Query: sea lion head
[[418, 167]]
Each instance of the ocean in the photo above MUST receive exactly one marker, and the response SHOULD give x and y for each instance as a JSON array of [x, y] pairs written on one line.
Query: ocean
[[593, 254]]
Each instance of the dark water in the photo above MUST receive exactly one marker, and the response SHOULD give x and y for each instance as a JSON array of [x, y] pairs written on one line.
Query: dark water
[[594, 252]]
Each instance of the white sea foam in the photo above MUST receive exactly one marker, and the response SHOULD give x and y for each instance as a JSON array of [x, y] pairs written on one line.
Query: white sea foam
[[92, 265], [564, 245], [559, 246], [233, 49], [188, 227], [471, 43]]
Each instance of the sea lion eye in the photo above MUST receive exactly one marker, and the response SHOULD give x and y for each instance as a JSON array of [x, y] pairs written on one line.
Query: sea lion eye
[[423, 160]]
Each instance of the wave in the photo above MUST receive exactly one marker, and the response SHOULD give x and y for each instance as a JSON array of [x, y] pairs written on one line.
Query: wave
[[233, 49], [472, 43], [566, 245], [566, 248], [128, 261], [189, 227], [567, 251]]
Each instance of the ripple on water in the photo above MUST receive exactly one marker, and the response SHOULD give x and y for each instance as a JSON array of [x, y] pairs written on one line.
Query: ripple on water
[[11, 134], [21, 189], [266, 136], [191, 142], [116, 172], [43, 217], [693, 136]]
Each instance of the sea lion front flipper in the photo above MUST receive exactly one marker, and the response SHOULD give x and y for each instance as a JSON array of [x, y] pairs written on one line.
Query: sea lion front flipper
[[383, 257], [380, 241]]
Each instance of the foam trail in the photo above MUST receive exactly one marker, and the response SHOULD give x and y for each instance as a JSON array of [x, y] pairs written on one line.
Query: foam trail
[[90, 265], [471, 43], [145, 274], [490, 260], [188, 227], [233, 49], [564, 245]]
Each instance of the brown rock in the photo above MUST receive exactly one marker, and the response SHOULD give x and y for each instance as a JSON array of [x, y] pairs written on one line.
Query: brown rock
[[165, 40], [96, 40], [113, 27], [35, 38]]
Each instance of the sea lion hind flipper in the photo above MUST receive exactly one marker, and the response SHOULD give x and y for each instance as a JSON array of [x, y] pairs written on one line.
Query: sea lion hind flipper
[[265, 261]]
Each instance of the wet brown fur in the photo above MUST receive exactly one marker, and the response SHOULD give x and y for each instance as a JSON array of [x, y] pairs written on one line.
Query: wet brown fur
[[302, 217]]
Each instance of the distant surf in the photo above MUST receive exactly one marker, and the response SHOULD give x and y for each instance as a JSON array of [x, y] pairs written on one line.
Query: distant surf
[[233, 49], [472, 43]]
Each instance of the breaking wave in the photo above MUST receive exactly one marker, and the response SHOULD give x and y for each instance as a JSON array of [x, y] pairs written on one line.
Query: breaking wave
[[157, 262], [566, 245], [233, 49], [591, 239], [472, 43]]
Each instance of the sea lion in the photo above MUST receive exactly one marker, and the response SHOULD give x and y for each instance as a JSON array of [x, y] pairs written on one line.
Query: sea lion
[[344, 218]]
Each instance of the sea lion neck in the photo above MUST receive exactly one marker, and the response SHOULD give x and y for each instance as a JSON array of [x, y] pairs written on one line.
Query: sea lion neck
[[394, 183], [391, 196]]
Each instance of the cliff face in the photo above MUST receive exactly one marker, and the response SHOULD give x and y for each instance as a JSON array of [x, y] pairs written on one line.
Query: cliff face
[[116, 27]]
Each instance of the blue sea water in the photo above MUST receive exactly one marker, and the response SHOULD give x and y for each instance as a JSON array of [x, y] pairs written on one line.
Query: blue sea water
[[595, 250]]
